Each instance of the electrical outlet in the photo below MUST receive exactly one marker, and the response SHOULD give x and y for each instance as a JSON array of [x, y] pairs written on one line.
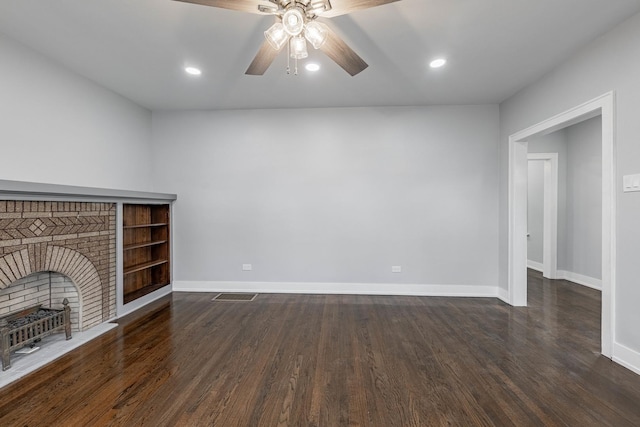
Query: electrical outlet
[[396, 269], [247, 267], [631, 183]]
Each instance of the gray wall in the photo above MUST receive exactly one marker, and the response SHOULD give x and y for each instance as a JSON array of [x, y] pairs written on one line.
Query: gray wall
[[584, 199], [57, 127], [609, 63], [333, 195], [555, 142], [579, 149], [535, 211]]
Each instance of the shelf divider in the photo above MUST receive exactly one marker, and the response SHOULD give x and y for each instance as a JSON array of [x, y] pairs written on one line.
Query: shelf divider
[[143, 245], [146, 265], [157, 224]]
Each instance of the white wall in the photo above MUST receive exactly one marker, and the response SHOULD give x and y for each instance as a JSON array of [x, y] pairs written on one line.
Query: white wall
[[58, 127], [609, 63], [333, 195]]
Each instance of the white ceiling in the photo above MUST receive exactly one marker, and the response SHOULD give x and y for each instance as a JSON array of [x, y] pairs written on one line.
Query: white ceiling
[[138, 48]]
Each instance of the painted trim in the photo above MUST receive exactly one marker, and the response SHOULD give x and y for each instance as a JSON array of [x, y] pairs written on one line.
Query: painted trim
[[9, 189], [626, 357], [517, 243], [517, 250], [550, 213], [580, 279], [569, 276], [338, 288], [119, 260], [145, 300], [503, 295], [609, 261], [535, 265]]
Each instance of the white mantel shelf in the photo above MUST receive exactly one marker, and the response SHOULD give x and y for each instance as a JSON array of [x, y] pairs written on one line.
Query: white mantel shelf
[[21, 189]]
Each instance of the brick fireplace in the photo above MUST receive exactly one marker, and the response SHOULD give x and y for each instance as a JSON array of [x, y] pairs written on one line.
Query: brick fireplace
[[73, 242]]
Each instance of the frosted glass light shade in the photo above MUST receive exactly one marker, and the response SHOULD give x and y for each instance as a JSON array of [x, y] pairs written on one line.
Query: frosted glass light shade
[[316, 33], [298, 48], [318, 6], [276, 36], [293, 21]]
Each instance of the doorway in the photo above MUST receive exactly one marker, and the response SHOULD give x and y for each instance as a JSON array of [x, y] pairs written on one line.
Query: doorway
[[518, 180], [550, 212]]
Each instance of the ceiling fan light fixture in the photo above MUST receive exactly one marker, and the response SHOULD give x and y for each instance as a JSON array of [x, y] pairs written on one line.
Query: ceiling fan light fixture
[[293, 21], [316, 33], [276, 36], [298, 48]]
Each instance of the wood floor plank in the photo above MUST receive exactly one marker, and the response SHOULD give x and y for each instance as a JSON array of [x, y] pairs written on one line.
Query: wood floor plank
[[338, 360]]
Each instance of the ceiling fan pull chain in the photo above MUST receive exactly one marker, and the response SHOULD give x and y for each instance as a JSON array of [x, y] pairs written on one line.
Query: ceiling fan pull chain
[[296, 71], [288, 58]]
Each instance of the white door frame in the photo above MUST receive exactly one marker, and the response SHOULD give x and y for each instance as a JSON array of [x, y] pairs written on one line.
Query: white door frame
[[550, 216], [518, 177]]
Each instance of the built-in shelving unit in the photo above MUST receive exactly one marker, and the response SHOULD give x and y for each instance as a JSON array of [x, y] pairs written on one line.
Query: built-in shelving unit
[[146, 255]]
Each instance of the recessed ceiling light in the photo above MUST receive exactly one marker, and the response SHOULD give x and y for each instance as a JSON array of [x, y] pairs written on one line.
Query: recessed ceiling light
[[312, 67], [193, 71], [437, 63]]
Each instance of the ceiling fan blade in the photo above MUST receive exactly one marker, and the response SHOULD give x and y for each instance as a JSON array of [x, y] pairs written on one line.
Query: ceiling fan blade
[[263, 60], [342, 7], [336, 49], [250, 6]]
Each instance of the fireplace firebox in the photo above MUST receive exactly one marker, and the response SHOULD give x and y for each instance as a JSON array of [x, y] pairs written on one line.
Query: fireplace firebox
[[23, 328]]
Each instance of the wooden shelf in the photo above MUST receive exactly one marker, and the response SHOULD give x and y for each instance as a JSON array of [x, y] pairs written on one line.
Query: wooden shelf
[[158, 224], [144, 266], [131, 296], [143, 245], [145, 249]]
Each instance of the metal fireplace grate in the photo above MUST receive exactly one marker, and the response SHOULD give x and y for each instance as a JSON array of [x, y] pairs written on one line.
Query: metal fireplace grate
[[235, 297]]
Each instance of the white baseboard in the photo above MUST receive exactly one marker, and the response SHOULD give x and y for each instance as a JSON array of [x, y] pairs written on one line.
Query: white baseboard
[[626, 357], [503, 295], [580, 279], [339, 288], [535, 265]]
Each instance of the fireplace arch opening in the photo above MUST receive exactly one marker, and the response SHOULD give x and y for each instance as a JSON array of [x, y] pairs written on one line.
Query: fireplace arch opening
[[65, 263], [45, 288]]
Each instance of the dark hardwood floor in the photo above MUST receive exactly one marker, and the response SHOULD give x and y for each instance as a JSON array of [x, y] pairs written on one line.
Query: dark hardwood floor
[[301, 360]]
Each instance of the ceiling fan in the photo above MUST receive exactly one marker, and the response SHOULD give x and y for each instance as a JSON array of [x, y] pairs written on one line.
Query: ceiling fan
[[296, 24]]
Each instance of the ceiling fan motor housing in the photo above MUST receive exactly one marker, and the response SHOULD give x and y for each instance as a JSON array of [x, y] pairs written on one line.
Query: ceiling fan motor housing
[[309, 8]]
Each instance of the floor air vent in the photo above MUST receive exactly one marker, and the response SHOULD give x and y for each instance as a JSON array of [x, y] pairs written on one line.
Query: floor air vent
[[235, 297]]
